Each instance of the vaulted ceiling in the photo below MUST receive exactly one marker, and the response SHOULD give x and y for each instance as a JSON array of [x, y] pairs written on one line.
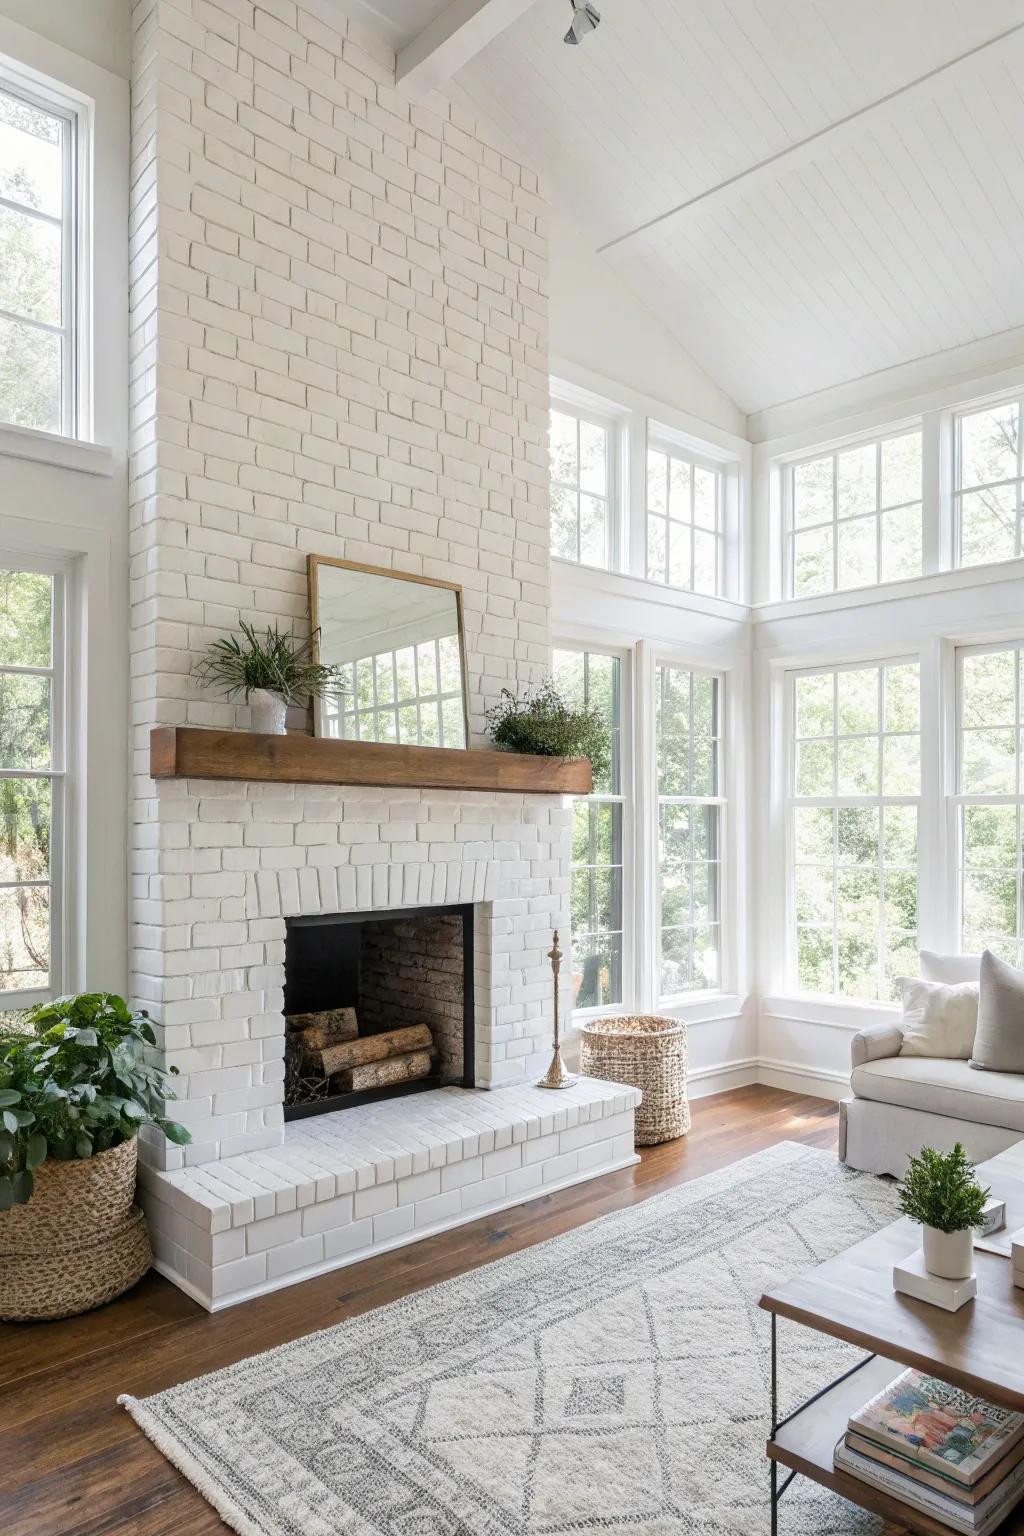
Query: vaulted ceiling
[[805, 192]]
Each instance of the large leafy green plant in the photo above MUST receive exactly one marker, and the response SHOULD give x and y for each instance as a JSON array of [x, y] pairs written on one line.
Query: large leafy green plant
[[75, 1081], [281, 663], [940, 1190], [543, 724]]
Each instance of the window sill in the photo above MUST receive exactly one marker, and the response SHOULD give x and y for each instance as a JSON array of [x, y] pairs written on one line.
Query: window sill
[[690, 1007], [605, 582], [963, 576], [57, 451], [835, 1013]]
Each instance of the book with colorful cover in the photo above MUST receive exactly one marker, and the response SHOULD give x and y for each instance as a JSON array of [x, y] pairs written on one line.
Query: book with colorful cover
[[965, 1519], [940, 1426], [890, 1456]]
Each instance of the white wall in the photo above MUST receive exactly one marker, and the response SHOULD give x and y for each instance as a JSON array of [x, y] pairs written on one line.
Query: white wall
[[598, 324], [97, 30]]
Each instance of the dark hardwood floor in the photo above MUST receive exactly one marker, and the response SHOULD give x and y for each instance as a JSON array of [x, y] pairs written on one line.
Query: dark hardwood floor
[[72, 1463]]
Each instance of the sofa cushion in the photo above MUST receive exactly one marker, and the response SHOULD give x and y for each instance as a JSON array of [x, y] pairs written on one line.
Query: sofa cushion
[[948, 968], [938, 1020], [944, 1088], [999, 1045]]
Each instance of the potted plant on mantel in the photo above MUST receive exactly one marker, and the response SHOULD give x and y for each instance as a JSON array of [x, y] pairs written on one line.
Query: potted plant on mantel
[[271, 671], [941, 1192], [542, 724], [75, 1087]]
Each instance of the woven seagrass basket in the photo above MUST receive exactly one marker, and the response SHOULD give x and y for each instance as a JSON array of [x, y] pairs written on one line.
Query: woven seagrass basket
[[79, 1242], [649, 1053]]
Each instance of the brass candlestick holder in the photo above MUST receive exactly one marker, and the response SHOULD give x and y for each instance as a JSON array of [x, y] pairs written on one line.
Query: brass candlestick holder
[[557, 1075]]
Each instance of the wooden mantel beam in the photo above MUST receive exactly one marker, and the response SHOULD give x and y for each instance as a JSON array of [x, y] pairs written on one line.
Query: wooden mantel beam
[[463, 28]]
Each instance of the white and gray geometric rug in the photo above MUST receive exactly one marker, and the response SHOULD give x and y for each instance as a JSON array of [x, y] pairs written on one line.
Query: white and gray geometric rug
[[613, 1379]]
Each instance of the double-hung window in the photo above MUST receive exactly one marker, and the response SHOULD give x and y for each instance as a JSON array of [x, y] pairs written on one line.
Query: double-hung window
[[32, 785], [598, 832], [987, 480], [685, 521], [854, 516], [37, 263], [991, 794], [855, 793], [688, 735], [582, 478]]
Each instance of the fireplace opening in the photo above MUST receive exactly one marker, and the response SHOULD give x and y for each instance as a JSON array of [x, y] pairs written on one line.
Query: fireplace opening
[[376, 1004]]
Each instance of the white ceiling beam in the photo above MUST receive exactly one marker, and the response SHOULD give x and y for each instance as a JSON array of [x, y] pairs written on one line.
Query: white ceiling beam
[[460, 32]]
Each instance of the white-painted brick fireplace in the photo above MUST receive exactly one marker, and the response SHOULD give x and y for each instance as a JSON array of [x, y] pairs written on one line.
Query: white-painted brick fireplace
[[339, 346]]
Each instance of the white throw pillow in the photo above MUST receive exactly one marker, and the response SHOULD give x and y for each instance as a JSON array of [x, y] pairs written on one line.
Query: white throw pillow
[[938, 1020], [950, 969]]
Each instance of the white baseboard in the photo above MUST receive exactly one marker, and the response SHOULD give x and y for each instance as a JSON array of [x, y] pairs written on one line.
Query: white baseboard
[[703, 1081], [794, 1077]]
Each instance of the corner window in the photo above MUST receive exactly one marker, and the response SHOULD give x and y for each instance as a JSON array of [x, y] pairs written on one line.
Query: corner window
[[581, 483], [854, 516], [688, 736], [987, 484], [597, 838], [37, 264], [32, 785], [684, 521], [856, 779]]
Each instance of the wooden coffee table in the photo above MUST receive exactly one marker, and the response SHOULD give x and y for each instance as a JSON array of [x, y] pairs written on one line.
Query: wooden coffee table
[[980, 1348]]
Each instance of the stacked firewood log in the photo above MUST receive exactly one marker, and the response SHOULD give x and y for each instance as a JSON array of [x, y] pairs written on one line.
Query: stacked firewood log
[[330, 1045]]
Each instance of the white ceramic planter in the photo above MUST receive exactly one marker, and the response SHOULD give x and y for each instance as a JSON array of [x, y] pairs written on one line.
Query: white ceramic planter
[[269, 711], [948, 1254]]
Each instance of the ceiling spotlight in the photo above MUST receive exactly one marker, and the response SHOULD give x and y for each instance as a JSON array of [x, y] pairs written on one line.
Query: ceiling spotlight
[[585, 19]]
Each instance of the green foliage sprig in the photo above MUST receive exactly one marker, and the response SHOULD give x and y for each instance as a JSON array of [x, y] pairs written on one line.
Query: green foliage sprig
[[73, 1082], [543, 724], [940, 1190], [281, 663]]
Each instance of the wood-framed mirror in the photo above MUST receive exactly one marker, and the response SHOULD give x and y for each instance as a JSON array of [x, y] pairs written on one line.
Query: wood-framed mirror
[[400, 642]]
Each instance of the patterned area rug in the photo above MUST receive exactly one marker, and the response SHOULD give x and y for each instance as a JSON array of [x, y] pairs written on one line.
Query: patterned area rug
[[612, 1379]]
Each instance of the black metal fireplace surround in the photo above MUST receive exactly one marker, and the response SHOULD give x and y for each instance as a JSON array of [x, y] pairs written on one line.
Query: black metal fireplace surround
[[322, 970]]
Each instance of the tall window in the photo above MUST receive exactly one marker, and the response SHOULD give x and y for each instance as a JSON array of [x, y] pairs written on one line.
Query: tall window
[[581, 474], [597, 838], [853, 833], [991, 793], [31, 784], [690, 804], [37, 345], [413, 695], [855, 516], [684, 521], [987, 484]]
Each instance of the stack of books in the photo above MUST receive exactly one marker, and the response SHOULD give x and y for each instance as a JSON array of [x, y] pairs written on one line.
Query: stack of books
[[942, 1451]]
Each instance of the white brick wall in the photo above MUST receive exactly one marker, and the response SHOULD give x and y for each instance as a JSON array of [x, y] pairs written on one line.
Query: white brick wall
[[339, 345]]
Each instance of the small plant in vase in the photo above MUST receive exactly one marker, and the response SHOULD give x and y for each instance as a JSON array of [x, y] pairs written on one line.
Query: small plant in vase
[[269, 671], [941, 1192], [543, 724]]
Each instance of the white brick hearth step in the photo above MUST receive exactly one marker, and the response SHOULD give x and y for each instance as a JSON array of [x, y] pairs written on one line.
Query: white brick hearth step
[[363, 1180]]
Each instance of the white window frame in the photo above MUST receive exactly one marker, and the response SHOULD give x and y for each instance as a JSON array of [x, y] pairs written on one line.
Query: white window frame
[[957, 491], [60, 791], [792, 800], [660, 442], [788, 468], [670, 659], [625, 797], [958, 800], [55, 101], [338, 712], [569, 404]]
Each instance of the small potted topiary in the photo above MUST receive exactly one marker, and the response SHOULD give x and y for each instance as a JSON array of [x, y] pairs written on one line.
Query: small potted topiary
[[75, 1087], [269, 671], [941, 1192], [542, 724]]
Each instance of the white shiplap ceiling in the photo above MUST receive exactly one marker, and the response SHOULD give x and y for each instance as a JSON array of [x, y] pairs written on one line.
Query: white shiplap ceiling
[[893, 236]]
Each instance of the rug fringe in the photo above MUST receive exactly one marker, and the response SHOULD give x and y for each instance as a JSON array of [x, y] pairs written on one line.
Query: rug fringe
[[189, 1467]]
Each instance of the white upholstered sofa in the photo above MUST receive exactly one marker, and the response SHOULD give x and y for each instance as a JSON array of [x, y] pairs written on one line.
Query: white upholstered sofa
[[903, 1103]]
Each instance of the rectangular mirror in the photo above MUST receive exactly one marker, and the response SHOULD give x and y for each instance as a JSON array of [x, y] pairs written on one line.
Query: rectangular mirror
[[401, 645]]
